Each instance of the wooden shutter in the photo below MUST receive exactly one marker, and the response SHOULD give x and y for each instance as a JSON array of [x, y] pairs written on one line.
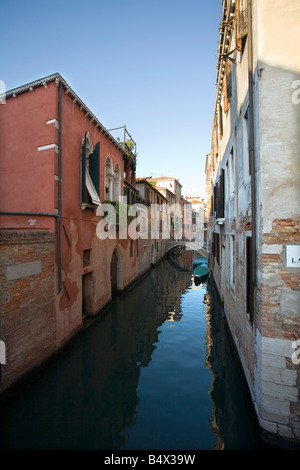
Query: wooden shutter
[[94, 167], [220, 111], [221, 195], [242, 22], [227, 86], [126, 193], [83, 196], [215, 199]]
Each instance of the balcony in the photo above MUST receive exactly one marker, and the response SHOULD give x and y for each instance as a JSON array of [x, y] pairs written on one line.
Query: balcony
[[128, 144]]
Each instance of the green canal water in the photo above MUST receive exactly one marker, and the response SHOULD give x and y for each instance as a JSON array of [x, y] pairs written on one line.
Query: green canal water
[[155, 371]]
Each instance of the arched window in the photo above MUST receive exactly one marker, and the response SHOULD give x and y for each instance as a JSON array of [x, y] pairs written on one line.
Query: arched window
[[117, 183], [109, 175], [90, 172]]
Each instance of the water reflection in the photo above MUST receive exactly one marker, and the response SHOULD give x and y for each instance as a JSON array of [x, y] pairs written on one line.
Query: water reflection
[[154, 371], [232, 420]]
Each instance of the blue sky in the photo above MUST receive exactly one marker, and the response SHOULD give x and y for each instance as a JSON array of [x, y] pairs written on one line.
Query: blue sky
[[149, 65]]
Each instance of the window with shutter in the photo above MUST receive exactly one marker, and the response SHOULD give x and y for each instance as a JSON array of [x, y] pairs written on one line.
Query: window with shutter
[[83, 198], [227, 87], [94, 167], [242, 23], [220, 113], [218, 198], [90, 172], [133, 197], [215, 199], [221, 195], [126, 193]]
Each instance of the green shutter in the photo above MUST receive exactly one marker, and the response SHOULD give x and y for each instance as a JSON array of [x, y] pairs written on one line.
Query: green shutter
[[126, 192], [94, 167], [83, 170]]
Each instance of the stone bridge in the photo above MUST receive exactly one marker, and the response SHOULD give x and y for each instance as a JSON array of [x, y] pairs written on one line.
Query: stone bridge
[[171, 244]]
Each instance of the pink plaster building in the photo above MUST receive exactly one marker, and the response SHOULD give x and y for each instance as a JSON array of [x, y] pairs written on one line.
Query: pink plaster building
[[57, 163]]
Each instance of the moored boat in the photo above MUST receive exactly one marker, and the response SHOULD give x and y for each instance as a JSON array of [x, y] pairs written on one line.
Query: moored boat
[[201, 271], [199, 261]]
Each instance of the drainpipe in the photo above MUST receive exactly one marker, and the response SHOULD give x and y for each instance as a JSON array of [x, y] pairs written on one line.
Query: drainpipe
[[58, 220], [251, 149]]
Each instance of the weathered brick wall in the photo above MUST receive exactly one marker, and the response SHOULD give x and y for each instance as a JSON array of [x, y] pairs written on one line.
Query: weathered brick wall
[[279, 304], [280, 284], [27, 300]]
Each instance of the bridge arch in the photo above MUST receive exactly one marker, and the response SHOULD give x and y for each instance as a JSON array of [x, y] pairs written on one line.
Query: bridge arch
[[189, 245]]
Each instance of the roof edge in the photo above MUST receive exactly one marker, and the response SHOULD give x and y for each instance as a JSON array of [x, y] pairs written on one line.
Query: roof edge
[[57, 78]]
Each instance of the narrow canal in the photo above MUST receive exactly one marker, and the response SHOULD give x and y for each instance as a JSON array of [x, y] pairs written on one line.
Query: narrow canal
[[155, 371]]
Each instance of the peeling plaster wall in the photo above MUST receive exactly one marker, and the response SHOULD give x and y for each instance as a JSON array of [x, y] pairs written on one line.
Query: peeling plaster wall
[[277, 37], [277, 54]]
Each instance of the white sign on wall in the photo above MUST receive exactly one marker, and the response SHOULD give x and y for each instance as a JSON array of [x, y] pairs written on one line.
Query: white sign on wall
[[293, 256]]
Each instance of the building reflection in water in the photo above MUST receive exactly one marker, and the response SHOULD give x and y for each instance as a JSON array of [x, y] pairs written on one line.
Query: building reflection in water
[[208, 362], [233, 420], [87, 398]]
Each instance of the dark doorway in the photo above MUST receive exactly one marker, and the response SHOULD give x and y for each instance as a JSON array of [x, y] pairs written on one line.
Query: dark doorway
[[87, 294]]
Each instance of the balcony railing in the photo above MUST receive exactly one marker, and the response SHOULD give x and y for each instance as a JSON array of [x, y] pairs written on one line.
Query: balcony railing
[[128, 144]]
